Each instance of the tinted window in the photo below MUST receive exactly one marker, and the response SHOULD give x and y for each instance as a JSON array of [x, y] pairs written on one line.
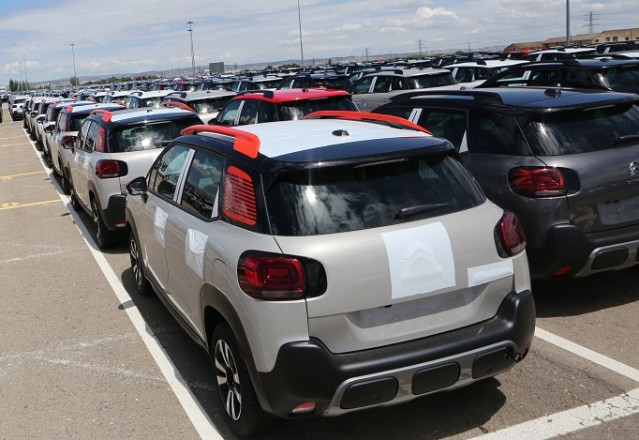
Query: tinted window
[[202, 182], [445, 123], [76, 122], [623, 79], [581, 131], [363, 85], [496, 134], [230, 112], [340, 199], [165, 172]]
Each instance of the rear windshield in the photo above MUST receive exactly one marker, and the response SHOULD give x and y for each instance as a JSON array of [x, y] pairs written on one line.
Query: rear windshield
[[582, 131], [298, 109], [425, 81], [363, 196], [146, 136]]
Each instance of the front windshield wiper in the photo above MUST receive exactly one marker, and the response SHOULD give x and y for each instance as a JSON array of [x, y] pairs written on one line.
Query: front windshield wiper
[[625, 139], [417, 209]]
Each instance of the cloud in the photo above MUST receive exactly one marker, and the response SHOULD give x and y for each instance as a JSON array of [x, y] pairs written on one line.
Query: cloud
[[429, 13]]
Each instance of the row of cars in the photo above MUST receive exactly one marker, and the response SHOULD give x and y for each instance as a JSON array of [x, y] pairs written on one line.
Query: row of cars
[[331, 259]]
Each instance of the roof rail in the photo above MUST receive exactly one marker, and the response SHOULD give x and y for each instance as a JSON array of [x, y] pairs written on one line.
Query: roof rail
[[393, 121], [246, 143]]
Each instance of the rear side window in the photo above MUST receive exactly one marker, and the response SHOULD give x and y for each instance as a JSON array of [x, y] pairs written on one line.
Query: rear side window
[[369, 195], [581, 131], [496, 134]]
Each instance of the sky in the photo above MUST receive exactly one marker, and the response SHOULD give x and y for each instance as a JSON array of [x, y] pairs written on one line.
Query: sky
[[132, 36]]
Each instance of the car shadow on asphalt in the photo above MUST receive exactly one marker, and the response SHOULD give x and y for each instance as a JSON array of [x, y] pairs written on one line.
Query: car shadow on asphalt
[[434, 416], [571, 297]]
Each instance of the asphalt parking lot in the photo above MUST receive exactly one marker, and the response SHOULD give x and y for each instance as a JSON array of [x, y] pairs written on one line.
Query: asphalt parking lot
[[81, 356]]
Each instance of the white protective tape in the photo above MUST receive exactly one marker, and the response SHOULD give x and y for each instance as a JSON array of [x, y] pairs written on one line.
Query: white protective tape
[[489, 272], [194, 250], [420, 260], [159, 225]]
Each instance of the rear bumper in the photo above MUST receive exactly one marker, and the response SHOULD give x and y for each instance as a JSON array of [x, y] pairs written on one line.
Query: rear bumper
[[338, 383], [114, 215], [586, 254]]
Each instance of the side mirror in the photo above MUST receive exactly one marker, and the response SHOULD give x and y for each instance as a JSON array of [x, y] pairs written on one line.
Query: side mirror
[[137, 186], [69, 144]]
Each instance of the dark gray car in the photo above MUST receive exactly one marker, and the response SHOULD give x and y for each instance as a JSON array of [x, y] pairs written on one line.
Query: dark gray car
[[565, 161]]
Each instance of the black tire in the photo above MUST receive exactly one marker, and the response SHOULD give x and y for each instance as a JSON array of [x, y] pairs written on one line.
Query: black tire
[[75, 203], [65, 184], [242, 411], [142, 285], [103, 237]]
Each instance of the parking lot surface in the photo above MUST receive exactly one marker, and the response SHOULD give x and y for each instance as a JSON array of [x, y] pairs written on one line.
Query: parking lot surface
[[81, 356]]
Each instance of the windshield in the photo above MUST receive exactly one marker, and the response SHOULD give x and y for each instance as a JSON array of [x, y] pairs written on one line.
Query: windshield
[[581, 131], [298, 109], [369, 195]]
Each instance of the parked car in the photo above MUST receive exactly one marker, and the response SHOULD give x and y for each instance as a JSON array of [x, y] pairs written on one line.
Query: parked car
[[63, 133], [473, 73], [206, 103], [602, 73], [565, 161], [258, 82], [281, 105], [53, 132], [112, 148], [562, 53], [306, 80], [16, 104], [327, 265], [377, 88], [137, 98]]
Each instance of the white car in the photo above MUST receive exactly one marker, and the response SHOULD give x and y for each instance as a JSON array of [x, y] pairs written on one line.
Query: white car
[[330, 265], [470, 74]]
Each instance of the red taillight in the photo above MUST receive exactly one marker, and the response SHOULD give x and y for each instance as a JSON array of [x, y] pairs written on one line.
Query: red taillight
[[511, 239], [105, 169], [271, 276], [537, 182]]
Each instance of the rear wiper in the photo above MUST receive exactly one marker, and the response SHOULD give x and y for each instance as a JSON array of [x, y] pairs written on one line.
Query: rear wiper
[[625, 139], [417, 209]]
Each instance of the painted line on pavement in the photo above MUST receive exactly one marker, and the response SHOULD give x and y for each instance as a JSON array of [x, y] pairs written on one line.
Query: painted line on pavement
[[589, 355], [192, 407], [13, 176], [572, 420], [15, 205]]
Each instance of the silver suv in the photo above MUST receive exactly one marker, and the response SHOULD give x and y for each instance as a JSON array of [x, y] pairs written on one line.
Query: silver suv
[[377, 88], [112, 148], [330, 265]]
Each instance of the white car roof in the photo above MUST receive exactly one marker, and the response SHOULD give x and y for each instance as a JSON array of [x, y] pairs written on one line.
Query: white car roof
[[286, 137]]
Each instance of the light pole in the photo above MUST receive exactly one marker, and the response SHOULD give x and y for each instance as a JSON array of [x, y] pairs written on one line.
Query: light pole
[[567, 22], [299, 19], [75, 75], [190, 31]]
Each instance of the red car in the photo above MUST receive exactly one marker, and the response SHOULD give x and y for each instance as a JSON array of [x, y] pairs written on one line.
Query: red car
[[257, 106]]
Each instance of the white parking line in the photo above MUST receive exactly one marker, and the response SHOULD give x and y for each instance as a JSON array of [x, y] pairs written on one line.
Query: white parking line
[[592, 356], [583, 417], [566, 422], [198, 416]]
